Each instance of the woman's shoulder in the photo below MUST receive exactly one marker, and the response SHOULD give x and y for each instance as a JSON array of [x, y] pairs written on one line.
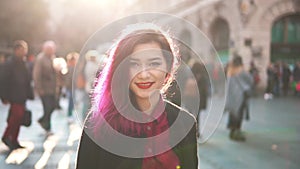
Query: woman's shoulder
[[174, 110]]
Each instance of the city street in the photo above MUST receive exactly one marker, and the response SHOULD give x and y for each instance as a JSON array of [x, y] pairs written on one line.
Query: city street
[[97, 45], [273, 140], [56, 151]]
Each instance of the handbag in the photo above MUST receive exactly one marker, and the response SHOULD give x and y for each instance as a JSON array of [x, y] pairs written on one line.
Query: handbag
[[27, 118]]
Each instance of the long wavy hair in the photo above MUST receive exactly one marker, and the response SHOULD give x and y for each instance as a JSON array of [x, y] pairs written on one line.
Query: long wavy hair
[[104, 105]]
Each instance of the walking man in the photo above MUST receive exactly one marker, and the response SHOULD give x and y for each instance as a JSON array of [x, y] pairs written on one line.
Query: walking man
[[16, 90], [44, 77]]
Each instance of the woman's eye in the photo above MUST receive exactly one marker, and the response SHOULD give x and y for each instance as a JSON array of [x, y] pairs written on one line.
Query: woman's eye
[[154, 64], [134, 64]]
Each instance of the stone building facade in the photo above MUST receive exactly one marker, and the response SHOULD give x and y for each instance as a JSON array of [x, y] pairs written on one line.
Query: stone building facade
[[233, 26]]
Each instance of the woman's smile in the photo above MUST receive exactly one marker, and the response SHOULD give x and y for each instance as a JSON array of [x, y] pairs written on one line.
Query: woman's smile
[[144, 85]]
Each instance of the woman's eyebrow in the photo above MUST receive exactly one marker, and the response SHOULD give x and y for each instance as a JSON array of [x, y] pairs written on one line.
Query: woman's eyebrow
[[150, 59], [133, 59], [155, 59]]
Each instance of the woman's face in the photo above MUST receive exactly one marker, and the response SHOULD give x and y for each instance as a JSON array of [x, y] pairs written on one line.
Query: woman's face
[[147, 70]]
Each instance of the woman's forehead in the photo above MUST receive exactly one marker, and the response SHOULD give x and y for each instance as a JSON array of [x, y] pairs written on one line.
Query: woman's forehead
[[146, 46], [146, 51]]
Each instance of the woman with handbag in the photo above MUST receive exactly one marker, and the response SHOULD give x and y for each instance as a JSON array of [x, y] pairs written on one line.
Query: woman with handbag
[[16, 90]]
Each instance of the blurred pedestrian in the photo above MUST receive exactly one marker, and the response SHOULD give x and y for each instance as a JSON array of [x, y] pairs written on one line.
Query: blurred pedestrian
[[71, 62], [285, 78], [141, 62], [2, 59], [44, 77], [217, 80], [184, 88], [60, 67], [201, 76], [85, 77], [277, 78], [30, 64], [17, 89], [2, 72], [239, 87], [296, 78], [271, 78], [255, 75], [94, 63]]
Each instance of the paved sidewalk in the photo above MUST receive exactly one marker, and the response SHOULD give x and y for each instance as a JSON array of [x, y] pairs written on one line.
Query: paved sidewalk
[[273, 140], [57, 151]]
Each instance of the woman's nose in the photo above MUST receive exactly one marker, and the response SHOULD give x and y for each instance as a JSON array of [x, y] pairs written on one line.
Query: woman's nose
[[144, 73]]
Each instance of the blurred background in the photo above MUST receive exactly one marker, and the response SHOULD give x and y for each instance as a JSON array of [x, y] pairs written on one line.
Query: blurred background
[[260, 31]]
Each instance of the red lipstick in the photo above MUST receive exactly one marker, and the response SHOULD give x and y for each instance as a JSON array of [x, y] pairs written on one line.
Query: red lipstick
[[145, 85]]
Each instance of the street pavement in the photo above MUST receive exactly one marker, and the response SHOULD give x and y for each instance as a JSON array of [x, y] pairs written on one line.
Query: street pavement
[[57, 151], [273, 140]]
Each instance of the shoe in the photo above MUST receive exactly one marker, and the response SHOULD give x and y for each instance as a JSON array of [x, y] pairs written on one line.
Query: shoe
[[41, 119], [43, 125], [8, 143], [17, 145], [237, 135], [231, 134], [49, 133]]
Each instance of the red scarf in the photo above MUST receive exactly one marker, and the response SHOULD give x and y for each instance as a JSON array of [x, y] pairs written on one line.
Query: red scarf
[[165, 160], [158, 123]]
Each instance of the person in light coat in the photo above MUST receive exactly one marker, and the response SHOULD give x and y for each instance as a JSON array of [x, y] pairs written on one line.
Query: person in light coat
[[44, 77], [239, 85]]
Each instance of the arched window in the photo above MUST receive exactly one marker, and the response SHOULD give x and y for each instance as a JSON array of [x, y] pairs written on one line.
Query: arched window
[[285, 43], [220, 38]]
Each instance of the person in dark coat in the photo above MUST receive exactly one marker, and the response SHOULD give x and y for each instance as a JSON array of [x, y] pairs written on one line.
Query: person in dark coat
[[2, 74], [201, 76], [286, 76], [16, 90], [131, 125], [271, 76]]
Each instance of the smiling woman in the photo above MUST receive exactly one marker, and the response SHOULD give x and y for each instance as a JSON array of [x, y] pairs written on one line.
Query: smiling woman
[[130, 124], [148, 71]]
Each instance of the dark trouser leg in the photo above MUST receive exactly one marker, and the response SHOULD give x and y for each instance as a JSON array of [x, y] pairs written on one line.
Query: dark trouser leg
[[285, 88], [235, 123], [71, 103], [57, 97], [14, 122], [48, 102]]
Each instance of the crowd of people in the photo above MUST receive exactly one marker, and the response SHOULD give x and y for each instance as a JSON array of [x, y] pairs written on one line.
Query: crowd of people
[[47, 74], [281, 79], [25, 77]]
